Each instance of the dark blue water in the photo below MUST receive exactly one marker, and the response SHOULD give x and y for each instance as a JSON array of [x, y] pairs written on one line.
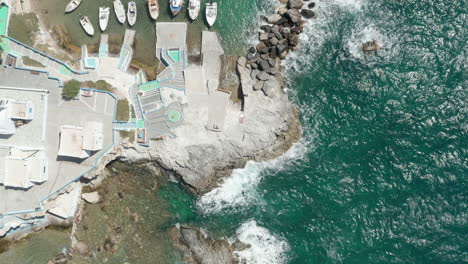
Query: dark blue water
[[381, 174]]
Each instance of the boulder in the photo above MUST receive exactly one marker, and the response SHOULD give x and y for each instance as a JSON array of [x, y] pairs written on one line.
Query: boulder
[[266, 28], [294, 15], [281, 48], [273, 53], [282, 21], [274, 18], [92, 197], [252, 50], [283, 54], [263, 76], [275, 29], [282, 10], [260, 46], [294, 40], [296, 4], [273, 41], [258, 86], [271, 87], [254, 74], [263, 36], [279, 36], [311, 5], [250, 56], [307, 13], [254, 65], [82, 248], [264, 65], [272, 62], [370, 46], [265, 50]]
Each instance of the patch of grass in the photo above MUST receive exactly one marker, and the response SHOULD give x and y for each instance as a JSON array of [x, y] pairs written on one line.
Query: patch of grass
[[128, 134], [99, 85], [133, 111], [123, 110], [71, 89], [34, 63], [22, 27]]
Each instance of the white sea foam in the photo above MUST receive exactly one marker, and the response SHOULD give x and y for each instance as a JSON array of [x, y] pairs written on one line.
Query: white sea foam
[[265, 248], [240, 189]]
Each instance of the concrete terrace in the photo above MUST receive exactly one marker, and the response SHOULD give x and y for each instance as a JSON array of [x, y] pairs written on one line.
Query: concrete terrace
[[51, 112]]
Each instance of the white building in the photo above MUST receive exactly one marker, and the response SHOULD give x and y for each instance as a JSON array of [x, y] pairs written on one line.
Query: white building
[[11, 110], [79, 142], [23, 168]]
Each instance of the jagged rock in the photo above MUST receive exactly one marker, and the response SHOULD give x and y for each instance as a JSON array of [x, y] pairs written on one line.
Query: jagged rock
[[271, 87], [370, 46], [263, 36], [273, 18], [264, 65], [294, 40], [82, 248], [294, 15], [273, 41], [261, 46], [263, 76], [246, 81], [266, 28], [307, 13], [92, 197], [281, 48], [297, 4], [258, 86], [254, 74], [197, 247]]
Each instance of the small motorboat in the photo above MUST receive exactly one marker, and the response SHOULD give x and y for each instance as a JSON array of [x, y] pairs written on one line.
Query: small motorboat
[[176, 6], [132, 13], [87, 26], [194, 9], [104, 13], [153, 7], [211, 13], [72, 5], [119, 10]]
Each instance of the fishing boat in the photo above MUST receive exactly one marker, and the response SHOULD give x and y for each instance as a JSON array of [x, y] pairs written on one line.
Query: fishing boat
[[153, 8], [194, 9], [87, 26], [176, 6], [211, 13], [72, 5], [103, 17], [132, 13], [119, 10]]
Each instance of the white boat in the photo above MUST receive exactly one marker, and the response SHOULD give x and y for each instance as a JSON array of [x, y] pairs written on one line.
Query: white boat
[[132, 13], [72, 5], [194, 8], [153, 7], [176, 6], [119, 10], [87, 26], [103, 17], [211, 13]]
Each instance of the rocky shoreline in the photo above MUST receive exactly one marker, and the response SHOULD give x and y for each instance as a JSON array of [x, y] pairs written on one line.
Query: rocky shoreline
[[270, 125]]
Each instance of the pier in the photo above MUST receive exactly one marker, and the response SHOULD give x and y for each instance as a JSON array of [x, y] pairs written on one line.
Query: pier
[[126, 52]]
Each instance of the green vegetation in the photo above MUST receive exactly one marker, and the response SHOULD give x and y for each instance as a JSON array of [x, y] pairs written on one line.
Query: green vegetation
[[71, 89], [34, 63], [22, 27], [133, 111], [123, 110], [128, 134], [99, 85]]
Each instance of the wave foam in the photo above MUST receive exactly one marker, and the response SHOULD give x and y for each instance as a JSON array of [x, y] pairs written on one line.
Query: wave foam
[[240, 188], [265, 248]]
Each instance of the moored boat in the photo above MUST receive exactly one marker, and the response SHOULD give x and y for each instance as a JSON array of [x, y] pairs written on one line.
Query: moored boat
[[211, 13], [72, 5], [119, 10], [176, 6], [194, 8], [104, 13], [153, 8], [132, 13], [87, 26]]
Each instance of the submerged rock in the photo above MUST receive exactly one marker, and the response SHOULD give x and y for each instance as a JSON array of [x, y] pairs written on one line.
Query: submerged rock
[[307, 13], [295, 4], [370, 46]]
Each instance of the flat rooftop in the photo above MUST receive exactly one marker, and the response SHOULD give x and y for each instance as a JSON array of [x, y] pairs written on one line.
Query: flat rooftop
[[170, 35]]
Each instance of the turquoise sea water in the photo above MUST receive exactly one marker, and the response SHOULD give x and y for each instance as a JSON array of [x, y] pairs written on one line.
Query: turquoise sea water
[[381, 174]]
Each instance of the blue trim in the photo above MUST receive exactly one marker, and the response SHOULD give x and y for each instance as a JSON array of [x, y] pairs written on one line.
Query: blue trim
[[98, 159], [45, 55]]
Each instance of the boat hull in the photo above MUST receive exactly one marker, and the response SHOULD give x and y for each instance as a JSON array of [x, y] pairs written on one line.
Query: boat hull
[[194, 9], [119, 10], [103, 18], [132, 13], [87, 26], [153, 8], [175, 9], [211, 13], [72, 5]]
